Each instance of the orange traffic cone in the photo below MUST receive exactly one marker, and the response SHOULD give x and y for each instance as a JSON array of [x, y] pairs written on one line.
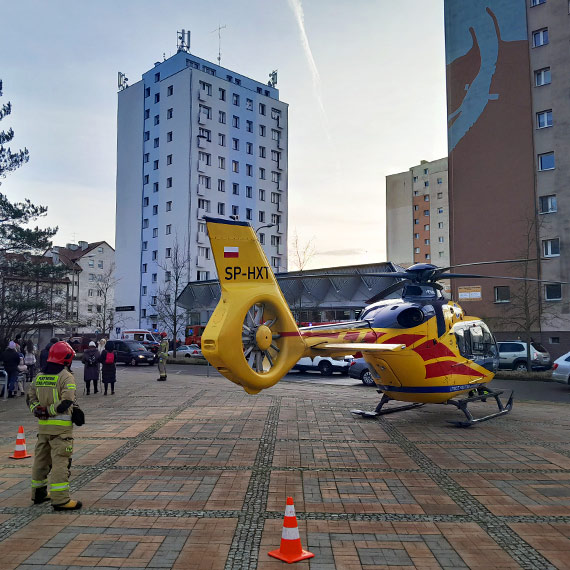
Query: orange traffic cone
[[20, 451], [290, 550]]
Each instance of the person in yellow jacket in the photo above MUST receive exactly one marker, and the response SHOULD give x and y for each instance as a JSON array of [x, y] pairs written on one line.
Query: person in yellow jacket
[[162, 357], [50, 398]]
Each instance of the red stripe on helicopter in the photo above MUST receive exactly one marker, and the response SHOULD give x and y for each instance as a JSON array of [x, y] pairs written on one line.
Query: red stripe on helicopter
[[292, 333], [372, 337], [320, 334], [449, 368], [407, 339], [428, 350]]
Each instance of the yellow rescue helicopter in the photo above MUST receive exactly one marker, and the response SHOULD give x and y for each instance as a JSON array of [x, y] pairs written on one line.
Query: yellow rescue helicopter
[[420, 348]]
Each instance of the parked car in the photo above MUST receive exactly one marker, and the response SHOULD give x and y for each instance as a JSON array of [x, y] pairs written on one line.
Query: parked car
[[359, 369], [323, 364], [187, 350], [512, 355], [133, 353], [561, 369]]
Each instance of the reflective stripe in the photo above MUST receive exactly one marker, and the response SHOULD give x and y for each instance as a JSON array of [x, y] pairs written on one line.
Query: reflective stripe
[[71, 386], [54, 422], [289, 510], [36, 484], [59, 486], [52, 411], [34, 406], [290, 533]]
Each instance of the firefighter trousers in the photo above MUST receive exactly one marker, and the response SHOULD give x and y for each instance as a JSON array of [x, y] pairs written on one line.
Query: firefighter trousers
[[52, 459], [162, 367]]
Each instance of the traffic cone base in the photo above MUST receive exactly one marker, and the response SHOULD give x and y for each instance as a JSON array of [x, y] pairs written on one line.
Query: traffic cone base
[[20, 452], [290, 550]]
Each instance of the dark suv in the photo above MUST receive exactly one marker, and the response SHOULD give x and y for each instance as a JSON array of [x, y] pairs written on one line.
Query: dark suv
[[133, 353]]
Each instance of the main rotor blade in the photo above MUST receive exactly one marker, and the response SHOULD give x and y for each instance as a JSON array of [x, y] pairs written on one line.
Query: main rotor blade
[[382, 294], [397, 274], [474, 276], [485, 263]]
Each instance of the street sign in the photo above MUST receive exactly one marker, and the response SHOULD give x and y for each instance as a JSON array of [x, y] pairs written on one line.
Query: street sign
[[125, 308]]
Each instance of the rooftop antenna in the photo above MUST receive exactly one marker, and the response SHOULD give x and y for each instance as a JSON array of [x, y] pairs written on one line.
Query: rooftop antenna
[[219, 30], [122, 81], [183, 41]]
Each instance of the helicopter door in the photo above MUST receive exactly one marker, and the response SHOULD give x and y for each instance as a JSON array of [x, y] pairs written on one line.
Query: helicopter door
[[382, 373]]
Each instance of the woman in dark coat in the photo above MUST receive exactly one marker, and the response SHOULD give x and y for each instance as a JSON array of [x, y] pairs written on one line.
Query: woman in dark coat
[[108, 369], [91, 367], [11, 360]]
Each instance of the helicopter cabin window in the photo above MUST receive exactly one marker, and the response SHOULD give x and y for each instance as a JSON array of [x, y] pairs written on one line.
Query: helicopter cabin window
[[553, 292], [502, 294], [463, 344]]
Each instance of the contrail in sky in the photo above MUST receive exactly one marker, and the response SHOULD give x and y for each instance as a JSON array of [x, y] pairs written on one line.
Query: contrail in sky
[[297, 8]]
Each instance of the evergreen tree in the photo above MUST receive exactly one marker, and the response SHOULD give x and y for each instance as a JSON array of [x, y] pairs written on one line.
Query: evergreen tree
[[14, 215]]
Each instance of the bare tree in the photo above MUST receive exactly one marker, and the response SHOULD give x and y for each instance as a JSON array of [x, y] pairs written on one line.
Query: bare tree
[[301, 253], [170, 316], [105, 287]]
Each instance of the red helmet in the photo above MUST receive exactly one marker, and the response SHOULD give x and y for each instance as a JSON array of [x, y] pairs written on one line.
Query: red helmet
[[163, 335], [61, 353]]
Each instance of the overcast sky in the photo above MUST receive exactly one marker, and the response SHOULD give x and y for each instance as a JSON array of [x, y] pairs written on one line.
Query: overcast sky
[[364, 80]]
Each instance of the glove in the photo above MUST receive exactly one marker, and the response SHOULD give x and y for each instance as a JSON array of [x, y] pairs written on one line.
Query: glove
[[41, 413]]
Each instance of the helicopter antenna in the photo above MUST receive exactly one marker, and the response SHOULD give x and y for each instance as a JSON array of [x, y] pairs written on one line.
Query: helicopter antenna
[[219, 30]]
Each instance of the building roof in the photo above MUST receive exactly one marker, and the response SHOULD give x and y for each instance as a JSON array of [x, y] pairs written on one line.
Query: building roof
[[71, 253]]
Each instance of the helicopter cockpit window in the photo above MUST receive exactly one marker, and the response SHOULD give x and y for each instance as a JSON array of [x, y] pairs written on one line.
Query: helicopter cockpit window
[[477, 343], [461, 345]]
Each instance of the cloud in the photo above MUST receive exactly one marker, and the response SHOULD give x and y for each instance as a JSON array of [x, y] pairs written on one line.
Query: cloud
[[342, 252]]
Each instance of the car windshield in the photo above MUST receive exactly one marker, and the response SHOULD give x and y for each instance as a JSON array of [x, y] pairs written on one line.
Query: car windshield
[[539, 347], [136, 346]]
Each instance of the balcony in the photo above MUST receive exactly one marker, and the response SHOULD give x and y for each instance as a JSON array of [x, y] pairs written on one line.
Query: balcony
[[202, 165], [203, 142], [201, 95], [201, 189], [202, 118], [201, 238]]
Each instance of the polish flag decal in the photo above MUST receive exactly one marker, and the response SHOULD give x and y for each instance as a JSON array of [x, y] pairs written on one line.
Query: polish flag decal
[[231, 251]]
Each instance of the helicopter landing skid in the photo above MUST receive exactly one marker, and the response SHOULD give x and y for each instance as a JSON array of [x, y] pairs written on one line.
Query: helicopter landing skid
[[380, 412], [482, 395]]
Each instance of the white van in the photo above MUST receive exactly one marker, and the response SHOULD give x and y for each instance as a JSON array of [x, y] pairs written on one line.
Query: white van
[[148, 339]]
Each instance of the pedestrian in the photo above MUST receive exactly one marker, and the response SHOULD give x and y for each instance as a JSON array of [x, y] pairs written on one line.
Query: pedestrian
[[30, 360], [162, 357], [108, 361], [45, 352], [11, 360], [51, 399], [91, 367]]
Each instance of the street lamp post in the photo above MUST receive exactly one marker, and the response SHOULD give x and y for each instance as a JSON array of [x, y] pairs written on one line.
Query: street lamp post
[[266, 226]]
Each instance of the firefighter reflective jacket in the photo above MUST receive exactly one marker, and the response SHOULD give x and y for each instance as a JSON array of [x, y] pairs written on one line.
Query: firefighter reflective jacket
[[163, 350], [48, 390]]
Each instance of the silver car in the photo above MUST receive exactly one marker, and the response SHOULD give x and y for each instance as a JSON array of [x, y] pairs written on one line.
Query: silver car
[[359, 369], [561, 369], [512, 355]]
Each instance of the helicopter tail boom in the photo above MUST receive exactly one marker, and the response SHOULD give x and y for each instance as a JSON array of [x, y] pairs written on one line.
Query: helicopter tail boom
[[251, 338]]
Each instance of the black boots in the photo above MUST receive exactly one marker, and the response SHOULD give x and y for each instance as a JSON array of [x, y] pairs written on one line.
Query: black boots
[[41, 495]]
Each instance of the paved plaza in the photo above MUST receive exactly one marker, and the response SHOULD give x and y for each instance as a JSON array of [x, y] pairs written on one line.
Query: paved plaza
[[194, 473]]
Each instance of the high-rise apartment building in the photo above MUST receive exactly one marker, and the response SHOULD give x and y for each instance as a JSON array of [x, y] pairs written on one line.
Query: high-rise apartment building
[[509, 160], [417, 215], [194, 139]]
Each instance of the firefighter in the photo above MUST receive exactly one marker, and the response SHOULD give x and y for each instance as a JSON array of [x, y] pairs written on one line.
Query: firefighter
[[50, 398], [162, 357]]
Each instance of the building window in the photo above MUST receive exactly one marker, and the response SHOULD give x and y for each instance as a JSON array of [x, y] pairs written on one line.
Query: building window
[[553, 292], [235, 211], [222, 94], [157, 77], [544, 119], [249, 148], [145, 223], [144, 269], [154, 277], [169, 90], [235, 99], [248, 191], [204, 204], [502, 294], [440, 195], [415, 179], [155, 165], [416, 236], [426, 197], [156, 119], [249, 126], [89, 308], [262, 173], [204, 252], [261, 130], [155, 187], [145, 179], [426, 212], [221, 139], [540, 37], [262, 239], [248, 214], [235, 122], [154, 232], [156, 97], [235, 144], [440, 180], [546, 161], [275, 262], [221, 162], [91, 263], [205, 134], [169, 206], [168, 252], [416, 250], [147, 91], [169, 182], [169, 160], [262, 109], [440, 239], [221, 208], [222, 117], [426, 241], [427, 256], [416, 221], [235, 189], [261, 195], [205, 181], [221, 185], [249, 169], [440, 210], [536, 2], [155, 255], [235, 166], [551, 247], [147, 113], [547, 204], [542, 76], [426, 183], [146, 157], [144, 289], [169, 136], [426, 227], [155, 210], [206, 87], [169, 113], [168, 229], [262, 216], [156, 142]]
